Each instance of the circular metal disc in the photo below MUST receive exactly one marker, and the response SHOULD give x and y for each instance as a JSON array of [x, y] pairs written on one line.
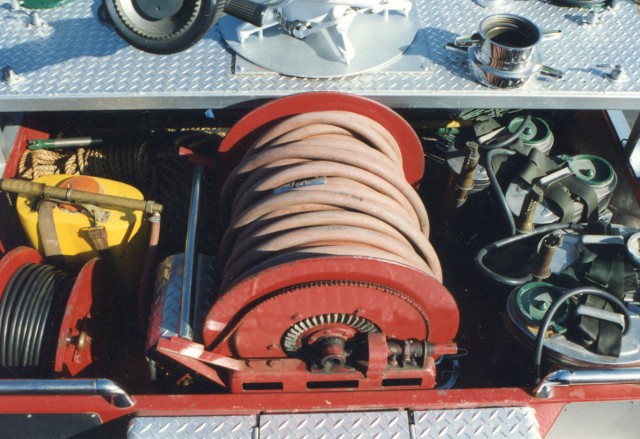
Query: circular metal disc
[[565, 352], [378, 40]]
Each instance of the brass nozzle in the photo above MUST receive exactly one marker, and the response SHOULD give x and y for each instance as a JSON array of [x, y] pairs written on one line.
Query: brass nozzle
[[541, 267], [464, 182], [531, 201]]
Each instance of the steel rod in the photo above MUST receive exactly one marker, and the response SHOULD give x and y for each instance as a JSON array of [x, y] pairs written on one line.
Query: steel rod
[[75, 196], [185, 328], [102, 387]]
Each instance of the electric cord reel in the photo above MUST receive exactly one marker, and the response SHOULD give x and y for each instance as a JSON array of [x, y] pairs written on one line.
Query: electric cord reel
[[51, 320]]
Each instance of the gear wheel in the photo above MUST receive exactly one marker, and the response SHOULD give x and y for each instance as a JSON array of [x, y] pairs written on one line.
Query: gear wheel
[[161, 26], [293, 335], [284, 331]]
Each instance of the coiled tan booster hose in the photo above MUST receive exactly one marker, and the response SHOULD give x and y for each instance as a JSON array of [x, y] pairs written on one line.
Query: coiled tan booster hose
[[319, 184]]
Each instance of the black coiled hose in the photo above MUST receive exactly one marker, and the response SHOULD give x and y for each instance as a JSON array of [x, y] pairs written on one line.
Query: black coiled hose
[[31, 310]]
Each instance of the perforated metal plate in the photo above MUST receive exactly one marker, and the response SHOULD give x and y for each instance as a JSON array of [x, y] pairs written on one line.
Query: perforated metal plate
[[75, 63]]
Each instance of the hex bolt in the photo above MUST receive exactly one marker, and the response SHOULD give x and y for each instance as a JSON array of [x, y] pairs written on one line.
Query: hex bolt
[[9, 76], [36, 20], [592, 18]]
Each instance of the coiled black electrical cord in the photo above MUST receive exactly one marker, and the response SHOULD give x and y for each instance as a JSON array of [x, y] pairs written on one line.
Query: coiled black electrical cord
[[31, 310], [495, 186], [553, 309], [513, 281], [496, 149]]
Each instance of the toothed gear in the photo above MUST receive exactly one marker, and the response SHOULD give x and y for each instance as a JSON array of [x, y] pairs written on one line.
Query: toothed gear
[[124, 8], [296, 331], [239, 338]]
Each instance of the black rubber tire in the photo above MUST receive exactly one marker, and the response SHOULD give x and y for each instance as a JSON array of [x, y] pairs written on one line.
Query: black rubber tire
[[203, 16]]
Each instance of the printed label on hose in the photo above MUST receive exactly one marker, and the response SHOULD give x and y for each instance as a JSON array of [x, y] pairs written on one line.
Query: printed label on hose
[[316, 181]]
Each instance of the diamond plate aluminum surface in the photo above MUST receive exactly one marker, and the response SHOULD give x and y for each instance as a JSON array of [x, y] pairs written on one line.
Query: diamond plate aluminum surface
[[164, 320], [76, 63], [508, 423], [228, 427], [376, 425]]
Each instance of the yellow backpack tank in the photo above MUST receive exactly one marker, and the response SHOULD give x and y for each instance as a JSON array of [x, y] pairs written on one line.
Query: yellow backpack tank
[[126, 232]]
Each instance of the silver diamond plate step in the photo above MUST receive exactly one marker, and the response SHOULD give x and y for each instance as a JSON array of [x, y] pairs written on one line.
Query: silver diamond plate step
[[391, 425], [507, 423], [228, 427], [512, 423], [76, 63]]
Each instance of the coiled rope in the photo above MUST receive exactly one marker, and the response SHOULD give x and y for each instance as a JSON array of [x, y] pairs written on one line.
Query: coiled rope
[[318, 184], [31, 311], [131, 165]]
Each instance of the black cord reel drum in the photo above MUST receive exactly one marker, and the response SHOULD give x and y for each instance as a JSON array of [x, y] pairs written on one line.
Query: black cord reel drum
[[48, 316]]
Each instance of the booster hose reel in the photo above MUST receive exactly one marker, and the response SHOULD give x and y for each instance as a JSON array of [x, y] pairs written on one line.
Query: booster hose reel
[[325, 235]]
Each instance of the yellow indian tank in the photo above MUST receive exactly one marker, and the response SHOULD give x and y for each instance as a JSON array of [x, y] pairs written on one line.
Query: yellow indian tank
[[127, 233]]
